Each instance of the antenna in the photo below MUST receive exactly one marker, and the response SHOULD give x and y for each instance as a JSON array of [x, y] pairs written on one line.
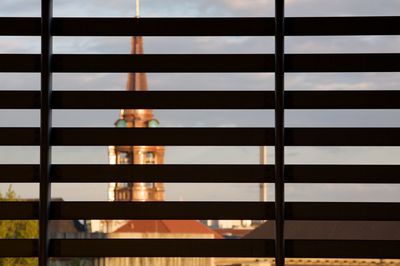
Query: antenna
[[263, 161], [137, 8]]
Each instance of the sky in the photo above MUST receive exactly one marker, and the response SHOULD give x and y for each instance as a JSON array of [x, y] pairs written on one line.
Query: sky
[[199, 118]]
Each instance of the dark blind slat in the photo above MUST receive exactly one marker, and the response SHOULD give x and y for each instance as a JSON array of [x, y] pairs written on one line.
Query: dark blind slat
[[303, 63], [162, 100], [164, 63], [203, 100], [161, 248], [207, 63], [227, 63], [162, 173], [342, 136], [359, 249], [330, 211], [245, 26], [19, 26], [19, 136], [162, 136], [367, 249], [19, 63], [19, 173], [325, 26], [163, 27], [368, 174], [224, 248], [19, 210], [161, 210], [346, 211], [18, 248], [19, 99], [204, 136], [342, 99]]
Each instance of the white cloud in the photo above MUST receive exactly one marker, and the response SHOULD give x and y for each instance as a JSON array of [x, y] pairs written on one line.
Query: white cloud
[[19, 45], [342, 8], [345, 86]]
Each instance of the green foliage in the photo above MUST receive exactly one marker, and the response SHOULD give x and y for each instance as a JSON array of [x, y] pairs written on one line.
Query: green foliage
[[17, 230]]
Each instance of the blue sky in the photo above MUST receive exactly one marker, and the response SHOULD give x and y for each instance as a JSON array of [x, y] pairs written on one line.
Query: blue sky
[[229, 155]]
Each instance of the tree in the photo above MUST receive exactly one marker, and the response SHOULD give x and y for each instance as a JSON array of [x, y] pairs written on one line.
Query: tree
[[17, 229]]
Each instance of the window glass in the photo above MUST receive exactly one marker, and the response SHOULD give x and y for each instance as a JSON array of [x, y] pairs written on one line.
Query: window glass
[[150, 158], [124, 158]]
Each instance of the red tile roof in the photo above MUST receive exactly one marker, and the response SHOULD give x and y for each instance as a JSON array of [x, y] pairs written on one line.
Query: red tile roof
[[166, 226]]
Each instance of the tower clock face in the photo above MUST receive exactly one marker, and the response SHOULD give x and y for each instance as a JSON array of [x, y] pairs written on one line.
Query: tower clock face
[[121, 123], [153, 123]]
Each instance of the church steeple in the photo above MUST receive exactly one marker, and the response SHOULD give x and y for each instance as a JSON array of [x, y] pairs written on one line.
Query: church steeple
[[137, 82]]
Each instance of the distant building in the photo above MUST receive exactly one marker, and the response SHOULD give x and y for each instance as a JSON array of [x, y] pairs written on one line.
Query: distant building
[[145, 229], [233, 233], [339, 230], [71, 229], [228, 224], [238, 228], [231, 229]]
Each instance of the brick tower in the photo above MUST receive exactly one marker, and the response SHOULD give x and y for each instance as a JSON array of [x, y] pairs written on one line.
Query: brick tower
[[136, 154]]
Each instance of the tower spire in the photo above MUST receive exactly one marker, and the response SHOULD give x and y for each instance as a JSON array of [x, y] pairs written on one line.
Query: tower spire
[[137, 8], [137, 82]]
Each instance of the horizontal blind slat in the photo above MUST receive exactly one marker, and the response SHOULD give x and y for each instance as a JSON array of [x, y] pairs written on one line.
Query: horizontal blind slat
[[23, 248], [246, 26], [163, 63], [162, 136], [162, 210], [204, 63], [162, 173], [216, 26], [346, 249], [202, 100], [323, 174], [340, 211], [204, 136], [161, 248], [163, 100]]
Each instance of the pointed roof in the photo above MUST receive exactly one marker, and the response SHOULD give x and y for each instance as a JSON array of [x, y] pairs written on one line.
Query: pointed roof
[[166, 226], [137, 81]]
